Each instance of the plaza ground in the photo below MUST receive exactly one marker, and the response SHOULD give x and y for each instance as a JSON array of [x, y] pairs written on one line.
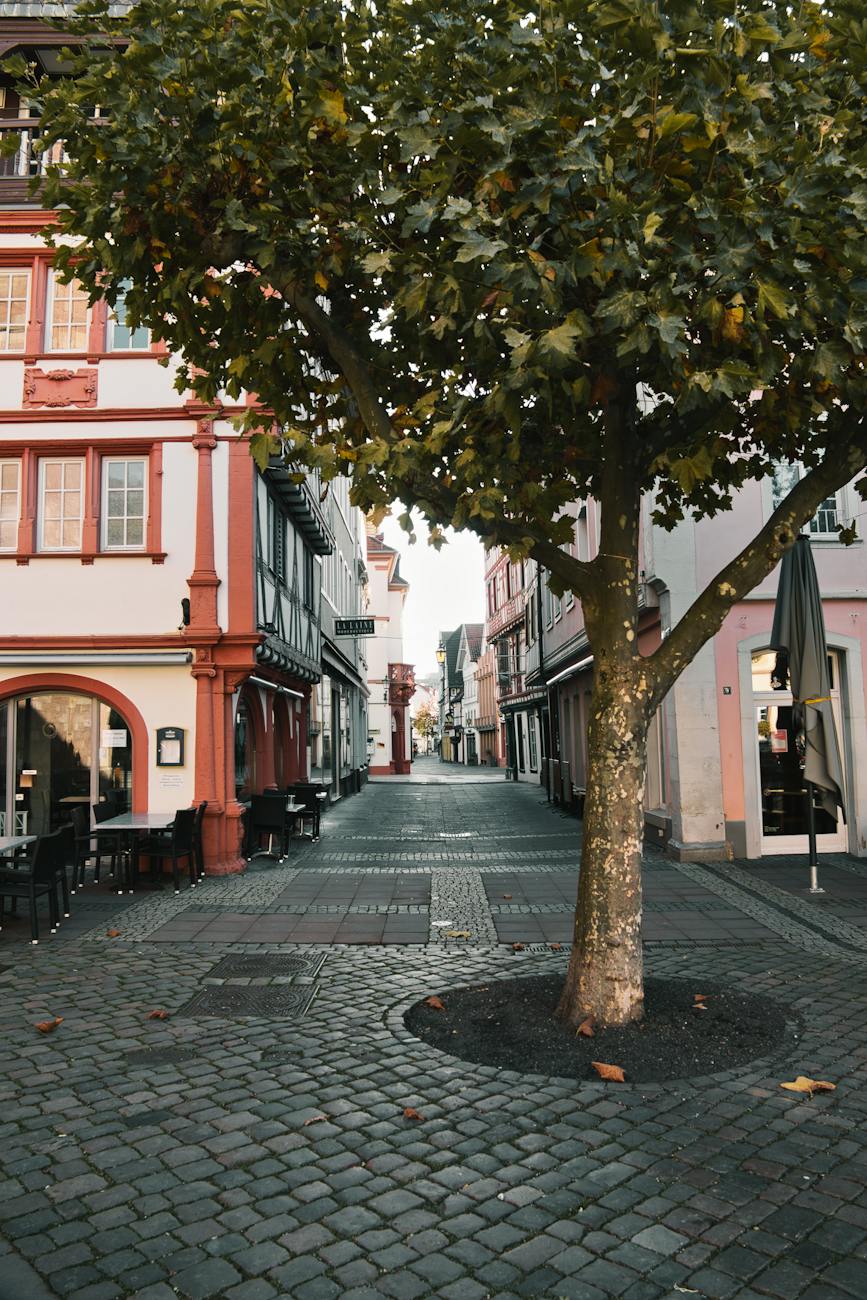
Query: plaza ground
[[254, 1144]]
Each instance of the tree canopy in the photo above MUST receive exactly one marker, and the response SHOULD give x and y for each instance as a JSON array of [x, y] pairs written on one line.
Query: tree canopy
[[439, 243]]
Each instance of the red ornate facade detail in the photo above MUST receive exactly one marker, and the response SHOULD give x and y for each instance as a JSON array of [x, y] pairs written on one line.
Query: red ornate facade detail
[[59, 388], [401, 683]]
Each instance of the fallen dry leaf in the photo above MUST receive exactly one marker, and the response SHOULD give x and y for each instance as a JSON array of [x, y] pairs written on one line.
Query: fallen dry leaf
[[411, 1113], [49, 1026], [803, 1084], [699, 997], [611, 1072], [457, 934], [507, 895], [586, 1028], [517, 947], [112, 934], [435, 1003], [556, 947], [158, 1015], [699, 1006], [315, 1119]]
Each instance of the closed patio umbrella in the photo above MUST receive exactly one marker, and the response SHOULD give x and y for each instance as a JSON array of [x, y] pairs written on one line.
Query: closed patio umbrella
[[799, 631]]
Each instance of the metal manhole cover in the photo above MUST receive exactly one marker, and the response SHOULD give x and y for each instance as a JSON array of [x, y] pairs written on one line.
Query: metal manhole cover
[[161, 1056], [253, 964], [231, 1001]]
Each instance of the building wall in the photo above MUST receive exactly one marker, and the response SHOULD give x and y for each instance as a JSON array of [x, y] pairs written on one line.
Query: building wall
[[703, 777]]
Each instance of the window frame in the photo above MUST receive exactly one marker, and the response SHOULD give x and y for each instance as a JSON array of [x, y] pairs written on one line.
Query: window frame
[[112, 323], [105, 463], [15, 519], [44, 462], [840, 503], [27, 272], [50, 303]]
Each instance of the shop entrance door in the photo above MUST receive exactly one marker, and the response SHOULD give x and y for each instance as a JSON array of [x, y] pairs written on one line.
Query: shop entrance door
[[61, 751], [782, 795]]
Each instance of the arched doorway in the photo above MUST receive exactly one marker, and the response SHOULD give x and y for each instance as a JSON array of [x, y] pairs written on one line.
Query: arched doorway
[[60, 749]]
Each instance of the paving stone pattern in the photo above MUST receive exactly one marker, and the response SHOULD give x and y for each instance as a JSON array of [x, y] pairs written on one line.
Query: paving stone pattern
[[264, 1152]]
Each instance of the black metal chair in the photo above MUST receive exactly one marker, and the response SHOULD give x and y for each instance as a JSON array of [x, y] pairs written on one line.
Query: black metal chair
[[198, 847], [111, 840], [35, 878], [312, 796], [268, 816], [86, 850], [177, 842]]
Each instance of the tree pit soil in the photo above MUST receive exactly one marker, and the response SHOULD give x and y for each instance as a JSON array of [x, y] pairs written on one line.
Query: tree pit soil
[[509, 1024]]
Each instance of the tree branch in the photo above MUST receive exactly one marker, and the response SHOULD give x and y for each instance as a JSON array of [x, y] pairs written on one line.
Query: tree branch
[[348, 360], [736, 579]]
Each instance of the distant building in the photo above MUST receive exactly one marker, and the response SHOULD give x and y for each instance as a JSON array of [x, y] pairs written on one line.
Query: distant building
[[391, 682], [511, 624], [459, 701]]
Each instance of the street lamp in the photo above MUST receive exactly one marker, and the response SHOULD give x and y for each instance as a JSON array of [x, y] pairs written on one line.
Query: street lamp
[[441, 655]]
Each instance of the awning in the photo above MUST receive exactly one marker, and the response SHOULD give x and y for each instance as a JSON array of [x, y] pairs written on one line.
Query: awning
[[336, 666], [572, 671]]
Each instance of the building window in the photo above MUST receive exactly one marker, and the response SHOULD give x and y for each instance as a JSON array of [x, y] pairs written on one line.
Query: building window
[[278, 544], [784, 477], [531, 738], [123, 504], [61, 494], [307, 595], [67, 317], [14, 293], [10, 503], [121, 336]]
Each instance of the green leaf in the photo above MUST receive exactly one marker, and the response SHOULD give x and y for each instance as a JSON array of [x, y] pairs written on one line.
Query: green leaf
[[651, 225], [262, 447], [558, 345], [774, 299], [474, 245], [673, 122], [375, 262]]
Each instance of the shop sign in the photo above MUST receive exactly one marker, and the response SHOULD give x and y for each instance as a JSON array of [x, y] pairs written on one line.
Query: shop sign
[[779, 742], [354, 626]]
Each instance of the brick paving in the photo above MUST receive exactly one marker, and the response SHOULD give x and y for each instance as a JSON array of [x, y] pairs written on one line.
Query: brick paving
[[254, 1144]]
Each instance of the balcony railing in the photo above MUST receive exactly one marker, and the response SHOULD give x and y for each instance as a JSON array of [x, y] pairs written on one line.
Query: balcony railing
[[26, 160], [401, 683], [507, 614]]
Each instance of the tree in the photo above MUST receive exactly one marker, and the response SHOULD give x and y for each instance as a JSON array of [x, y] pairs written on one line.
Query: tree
[[450, 248]]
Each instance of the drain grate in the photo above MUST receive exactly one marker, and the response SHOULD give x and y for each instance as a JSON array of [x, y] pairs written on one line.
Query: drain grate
[[250, 965], [146, 1056], [232, 1001]]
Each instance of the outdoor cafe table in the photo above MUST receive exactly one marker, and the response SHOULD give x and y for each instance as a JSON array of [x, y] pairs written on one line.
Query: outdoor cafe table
[[9, 843], [131, 826]]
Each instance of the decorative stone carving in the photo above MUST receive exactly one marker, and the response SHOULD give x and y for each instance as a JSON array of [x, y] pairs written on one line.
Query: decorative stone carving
[[59, 388]]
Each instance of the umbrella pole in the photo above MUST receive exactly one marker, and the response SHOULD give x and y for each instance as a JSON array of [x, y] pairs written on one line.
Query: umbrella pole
[[811, 838]]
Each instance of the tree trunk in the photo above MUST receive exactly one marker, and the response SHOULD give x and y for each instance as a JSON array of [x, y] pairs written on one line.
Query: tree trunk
[[605, 976]]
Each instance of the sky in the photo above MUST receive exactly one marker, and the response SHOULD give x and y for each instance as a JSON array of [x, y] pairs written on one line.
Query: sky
[[447, 588]]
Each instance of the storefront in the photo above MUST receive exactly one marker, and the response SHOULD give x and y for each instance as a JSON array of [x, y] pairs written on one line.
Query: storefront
[[338, 733], [59, 749]]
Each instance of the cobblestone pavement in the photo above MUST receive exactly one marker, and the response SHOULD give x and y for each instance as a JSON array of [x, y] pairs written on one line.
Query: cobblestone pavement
[[254, 1144]]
